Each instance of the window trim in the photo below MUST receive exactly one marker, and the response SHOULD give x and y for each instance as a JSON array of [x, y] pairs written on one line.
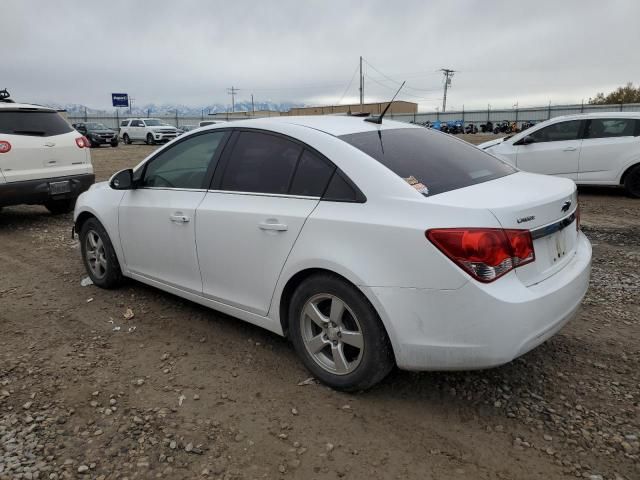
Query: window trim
[[223, 162], [213, 162]]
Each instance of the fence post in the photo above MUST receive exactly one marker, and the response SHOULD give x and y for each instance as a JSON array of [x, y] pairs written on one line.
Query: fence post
[[549, 111], [488, 113], [463, 114], [117, 118], [621, 103], [177, 125]]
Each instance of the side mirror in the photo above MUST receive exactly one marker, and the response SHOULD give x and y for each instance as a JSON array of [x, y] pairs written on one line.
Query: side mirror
[[123, 180], [527, 140]]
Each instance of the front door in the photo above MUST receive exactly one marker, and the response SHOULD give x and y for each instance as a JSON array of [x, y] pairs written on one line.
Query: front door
[[555, 151], [157, 219]]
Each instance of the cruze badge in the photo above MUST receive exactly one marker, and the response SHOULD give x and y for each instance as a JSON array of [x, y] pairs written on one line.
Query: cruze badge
[[566, 205], [526, 219]]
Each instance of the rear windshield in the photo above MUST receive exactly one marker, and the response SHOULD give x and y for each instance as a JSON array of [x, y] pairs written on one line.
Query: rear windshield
[[431, 162], [33, 123]]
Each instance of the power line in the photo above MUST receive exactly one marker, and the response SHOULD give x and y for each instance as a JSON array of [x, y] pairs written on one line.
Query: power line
[[398, 82], [448, 75], [348, 86], [402, 93]]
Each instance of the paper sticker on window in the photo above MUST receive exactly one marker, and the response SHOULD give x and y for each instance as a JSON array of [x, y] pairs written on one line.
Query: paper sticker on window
[[420, 187]]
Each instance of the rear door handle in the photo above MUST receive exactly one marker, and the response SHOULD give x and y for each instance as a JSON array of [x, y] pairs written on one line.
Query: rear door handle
[[179, 218], [570, 149], [278, 227]]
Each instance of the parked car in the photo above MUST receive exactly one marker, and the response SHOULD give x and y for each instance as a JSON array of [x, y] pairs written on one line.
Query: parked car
[[149, 130], [43, 161], [590, 149], [186, 128], [367, 245], [97, 134]]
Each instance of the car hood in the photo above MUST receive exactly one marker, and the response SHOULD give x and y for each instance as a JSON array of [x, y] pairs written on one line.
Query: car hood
[[490, 143]]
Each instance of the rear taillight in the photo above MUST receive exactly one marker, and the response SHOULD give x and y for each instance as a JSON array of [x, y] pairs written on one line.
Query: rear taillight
[[485, 253], [4, 146], [83, 142]]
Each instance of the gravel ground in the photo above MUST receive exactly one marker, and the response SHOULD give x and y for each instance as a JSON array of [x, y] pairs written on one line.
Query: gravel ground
[[136, 383]]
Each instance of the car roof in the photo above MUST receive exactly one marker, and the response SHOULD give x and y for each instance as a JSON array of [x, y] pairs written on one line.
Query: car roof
[[335, 125], [607, 114], [24, 106]]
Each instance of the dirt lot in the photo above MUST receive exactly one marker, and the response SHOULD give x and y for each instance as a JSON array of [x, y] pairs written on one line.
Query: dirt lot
[[179, 391]]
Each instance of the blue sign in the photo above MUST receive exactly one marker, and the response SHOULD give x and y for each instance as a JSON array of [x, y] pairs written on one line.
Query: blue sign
[[120, 99]]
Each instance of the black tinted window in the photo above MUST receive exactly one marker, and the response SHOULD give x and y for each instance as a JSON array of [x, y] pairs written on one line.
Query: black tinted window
[[340, 190], [312, 175], [124, 123], [558, 132], [610, 127], [34, 123], [185, 164], [430, 161], [261, 163]]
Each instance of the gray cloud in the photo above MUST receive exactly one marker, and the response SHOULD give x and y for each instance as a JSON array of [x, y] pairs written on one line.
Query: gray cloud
[[190, 51]]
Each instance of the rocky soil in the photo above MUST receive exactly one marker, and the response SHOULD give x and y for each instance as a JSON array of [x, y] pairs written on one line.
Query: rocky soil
[[136, 384]]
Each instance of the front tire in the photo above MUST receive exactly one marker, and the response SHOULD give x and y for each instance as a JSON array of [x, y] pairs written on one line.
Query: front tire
[[114, 144], [99, 256], [126, 139], [150, 140], [632, 182], [338, 334], [59, 207]]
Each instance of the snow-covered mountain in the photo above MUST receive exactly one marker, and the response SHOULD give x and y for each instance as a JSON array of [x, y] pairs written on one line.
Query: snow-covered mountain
[[182, 110]]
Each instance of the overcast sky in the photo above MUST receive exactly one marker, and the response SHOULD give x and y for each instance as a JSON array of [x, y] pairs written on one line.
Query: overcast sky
[[190, 52]]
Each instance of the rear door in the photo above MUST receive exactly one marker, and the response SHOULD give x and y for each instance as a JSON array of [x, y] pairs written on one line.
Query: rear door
[[607, 146], [266, 188], [136, 130], [555, 151], [43, 145]]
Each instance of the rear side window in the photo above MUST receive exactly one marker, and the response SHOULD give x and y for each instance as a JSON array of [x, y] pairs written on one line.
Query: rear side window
[[33, 123], [261, 163], [312, 176], [124, 123], [429, 161], [558, 132], [610, 127]]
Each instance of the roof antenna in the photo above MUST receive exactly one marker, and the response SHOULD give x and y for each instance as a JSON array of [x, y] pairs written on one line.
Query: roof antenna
[[378, 119]]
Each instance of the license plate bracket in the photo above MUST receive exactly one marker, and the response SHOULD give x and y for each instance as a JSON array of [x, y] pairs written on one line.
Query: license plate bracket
[[57, 188]]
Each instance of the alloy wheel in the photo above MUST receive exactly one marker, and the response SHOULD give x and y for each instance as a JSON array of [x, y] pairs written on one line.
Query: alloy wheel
[[331, 334], [95, 254]]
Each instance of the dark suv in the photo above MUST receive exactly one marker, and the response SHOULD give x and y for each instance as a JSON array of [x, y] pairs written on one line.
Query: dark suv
[[97, 133]]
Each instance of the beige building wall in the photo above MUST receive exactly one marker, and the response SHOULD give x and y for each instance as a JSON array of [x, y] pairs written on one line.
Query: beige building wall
[[398, 106]]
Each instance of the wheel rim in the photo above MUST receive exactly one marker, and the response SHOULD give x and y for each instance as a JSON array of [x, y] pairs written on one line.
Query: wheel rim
[[331, 333], [149, 139], [95, 254]]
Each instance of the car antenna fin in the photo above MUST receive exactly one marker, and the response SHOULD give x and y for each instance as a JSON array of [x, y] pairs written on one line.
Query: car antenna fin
[[378, 119]]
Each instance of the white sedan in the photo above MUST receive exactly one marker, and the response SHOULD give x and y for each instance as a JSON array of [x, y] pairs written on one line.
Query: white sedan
[[590, 149], [368, 245]]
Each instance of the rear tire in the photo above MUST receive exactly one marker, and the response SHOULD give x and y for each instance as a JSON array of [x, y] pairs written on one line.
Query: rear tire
[[632, 182], [59, 207], [150, 140], [99, 256], [338, 334], [126, 139]]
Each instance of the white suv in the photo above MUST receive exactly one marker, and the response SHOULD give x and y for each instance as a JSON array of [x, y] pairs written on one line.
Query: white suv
[[43, 161], [149, 130], [591, 149]]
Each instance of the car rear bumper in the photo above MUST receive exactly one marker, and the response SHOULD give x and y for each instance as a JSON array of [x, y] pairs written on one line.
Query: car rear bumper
[[480, 325], [36, 192]]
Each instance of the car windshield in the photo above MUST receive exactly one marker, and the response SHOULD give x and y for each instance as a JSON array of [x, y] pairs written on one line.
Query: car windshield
[[153, 123], [432, 162], [95, 126]]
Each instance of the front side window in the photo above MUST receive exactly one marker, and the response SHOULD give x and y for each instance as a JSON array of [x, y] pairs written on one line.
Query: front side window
[[261, 163], [558, 132], [610, 127], [429, 161], [185, 164], [136, 123]]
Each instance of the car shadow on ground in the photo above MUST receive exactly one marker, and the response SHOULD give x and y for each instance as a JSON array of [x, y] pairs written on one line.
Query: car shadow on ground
[[611, 191]]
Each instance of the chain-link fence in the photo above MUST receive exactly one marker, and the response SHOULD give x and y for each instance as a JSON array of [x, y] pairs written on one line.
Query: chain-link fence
[[518, 115]]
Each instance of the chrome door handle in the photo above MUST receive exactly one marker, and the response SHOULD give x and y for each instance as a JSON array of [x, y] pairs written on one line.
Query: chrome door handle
[[278, 227], [49, 144], [179, 218], [570, 149]]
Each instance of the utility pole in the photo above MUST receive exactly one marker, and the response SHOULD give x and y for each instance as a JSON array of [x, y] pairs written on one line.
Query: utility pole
[[361, 87], [448, 75], [233, 91], [253, 109]]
